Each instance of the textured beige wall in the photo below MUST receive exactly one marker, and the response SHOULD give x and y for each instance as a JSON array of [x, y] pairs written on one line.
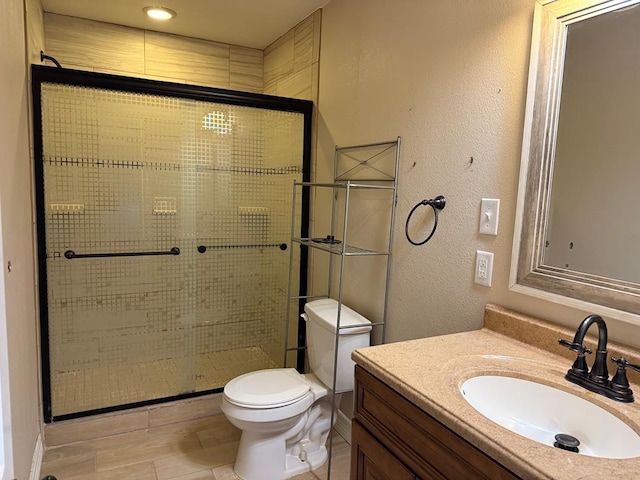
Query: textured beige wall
[[450, 77], [107, 48], [15, 202]]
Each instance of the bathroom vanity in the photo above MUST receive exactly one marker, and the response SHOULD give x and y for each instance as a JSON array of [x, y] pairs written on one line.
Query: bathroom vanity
[[407, 443], [412, 422]]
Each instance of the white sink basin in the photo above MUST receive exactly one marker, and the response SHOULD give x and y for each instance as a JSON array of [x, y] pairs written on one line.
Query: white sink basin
[[539, 412]]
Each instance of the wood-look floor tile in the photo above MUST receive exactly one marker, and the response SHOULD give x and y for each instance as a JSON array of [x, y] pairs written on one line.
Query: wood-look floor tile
[[204, 475], [148, 450], [305, 476], [224, 472], [202, 449], [140, 471], [196, 426], [155, 442], [217, 432], [69, 460], [172, 465], [116, 441], [340, 462]]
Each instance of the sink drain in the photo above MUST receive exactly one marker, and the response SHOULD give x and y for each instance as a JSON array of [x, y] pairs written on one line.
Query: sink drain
[[568, 442]]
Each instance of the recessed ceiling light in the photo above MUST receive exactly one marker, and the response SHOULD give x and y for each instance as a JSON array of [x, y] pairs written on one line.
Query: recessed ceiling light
[[159, 13]]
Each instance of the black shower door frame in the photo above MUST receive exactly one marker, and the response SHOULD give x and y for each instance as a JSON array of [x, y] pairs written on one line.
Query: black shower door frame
[[44, 74]]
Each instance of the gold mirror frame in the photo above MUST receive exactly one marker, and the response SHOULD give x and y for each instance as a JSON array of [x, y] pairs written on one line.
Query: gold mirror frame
[[528, 274]]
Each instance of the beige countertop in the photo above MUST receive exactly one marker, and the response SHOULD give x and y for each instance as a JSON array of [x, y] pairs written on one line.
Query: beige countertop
[[429, 372]]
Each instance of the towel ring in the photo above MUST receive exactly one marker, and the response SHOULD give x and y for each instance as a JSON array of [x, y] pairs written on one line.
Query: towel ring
[[436, 204]]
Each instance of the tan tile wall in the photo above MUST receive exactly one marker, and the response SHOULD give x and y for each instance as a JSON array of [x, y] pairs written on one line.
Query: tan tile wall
[[108, 48], [35, 30], [291, 69], [291, 63]]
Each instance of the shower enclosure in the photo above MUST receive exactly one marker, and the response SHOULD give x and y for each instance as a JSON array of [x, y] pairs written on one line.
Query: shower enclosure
[[164, 213]]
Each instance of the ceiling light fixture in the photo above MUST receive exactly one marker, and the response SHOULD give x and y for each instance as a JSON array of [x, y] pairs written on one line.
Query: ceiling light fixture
[[159, 13]]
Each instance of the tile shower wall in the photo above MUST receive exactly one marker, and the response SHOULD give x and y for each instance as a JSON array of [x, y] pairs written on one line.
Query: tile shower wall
[[139, 173], [291, 63], [84, 44], [288, 67]]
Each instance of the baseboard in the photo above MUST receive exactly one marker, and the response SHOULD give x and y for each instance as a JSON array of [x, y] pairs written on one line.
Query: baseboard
[[343, 426], [36, 463]]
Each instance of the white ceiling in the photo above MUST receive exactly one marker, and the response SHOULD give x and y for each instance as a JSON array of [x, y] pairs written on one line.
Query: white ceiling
[[249, 23]]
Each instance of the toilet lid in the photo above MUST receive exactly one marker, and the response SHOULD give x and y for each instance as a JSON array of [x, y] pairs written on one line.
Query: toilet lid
[[275, 387]]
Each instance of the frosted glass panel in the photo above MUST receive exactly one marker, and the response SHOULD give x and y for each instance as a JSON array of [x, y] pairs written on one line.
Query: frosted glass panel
[[133, 173]]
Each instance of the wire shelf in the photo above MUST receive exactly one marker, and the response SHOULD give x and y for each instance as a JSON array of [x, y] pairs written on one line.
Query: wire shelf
[[338, 248]]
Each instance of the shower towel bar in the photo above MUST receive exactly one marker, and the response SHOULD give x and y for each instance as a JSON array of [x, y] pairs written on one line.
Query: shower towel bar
[[70, 254], [203, 248]]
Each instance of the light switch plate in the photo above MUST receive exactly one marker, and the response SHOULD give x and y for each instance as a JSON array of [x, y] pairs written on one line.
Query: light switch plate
[[489, 213]]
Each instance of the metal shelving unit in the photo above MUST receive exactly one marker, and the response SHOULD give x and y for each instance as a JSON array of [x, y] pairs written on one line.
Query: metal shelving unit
[[360, 167]]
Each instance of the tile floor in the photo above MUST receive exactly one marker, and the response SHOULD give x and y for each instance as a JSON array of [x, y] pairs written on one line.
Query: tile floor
[[202, 449]]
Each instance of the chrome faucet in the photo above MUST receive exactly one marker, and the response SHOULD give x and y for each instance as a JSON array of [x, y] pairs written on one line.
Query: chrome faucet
[[597, 380]]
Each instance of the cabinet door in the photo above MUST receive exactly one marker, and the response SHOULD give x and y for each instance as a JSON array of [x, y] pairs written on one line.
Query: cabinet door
[[420, 442], [371, 461]]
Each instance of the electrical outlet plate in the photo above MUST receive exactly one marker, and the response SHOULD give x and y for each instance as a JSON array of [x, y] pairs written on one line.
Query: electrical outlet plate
[[489, 213], [484, 268]]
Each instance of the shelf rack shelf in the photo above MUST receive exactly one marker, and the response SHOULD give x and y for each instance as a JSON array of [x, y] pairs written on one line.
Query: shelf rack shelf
[[371, 167], [338, 249]]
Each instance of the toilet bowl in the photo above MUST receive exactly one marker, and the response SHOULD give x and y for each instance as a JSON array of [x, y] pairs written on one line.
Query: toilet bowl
[[285, 416], [277, 440]]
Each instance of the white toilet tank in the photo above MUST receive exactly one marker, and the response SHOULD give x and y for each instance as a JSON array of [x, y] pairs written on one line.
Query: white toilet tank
[[321, 317]]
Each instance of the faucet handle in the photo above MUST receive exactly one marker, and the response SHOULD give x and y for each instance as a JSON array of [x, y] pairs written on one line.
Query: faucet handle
[[578, 348], [622, 364], [619, 380], [631, 365], [580, 366]]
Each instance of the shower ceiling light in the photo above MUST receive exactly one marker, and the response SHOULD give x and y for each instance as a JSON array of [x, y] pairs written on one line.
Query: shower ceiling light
[[159, 13], [218, 122]]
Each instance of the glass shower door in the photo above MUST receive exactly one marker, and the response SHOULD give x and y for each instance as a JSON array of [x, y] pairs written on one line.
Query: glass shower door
[[243, 218], [118, 209], [166, 222]]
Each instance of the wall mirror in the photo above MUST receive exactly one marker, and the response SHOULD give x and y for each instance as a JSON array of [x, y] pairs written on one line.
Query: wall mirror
[[578, 214]]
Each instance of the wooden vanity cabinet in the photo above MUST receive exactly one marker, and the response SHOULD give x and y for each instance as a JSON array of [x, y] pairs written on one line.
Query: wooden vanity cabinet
[[392, 439]]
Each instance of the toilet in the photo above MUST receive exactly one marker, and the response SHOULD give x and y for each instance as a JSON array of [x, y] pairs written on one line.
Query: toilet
[[284, 415]]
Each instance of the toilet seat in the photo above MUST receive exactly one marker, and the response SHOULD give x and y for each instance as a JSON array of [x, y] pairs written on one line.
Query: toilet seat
[[269, 388]]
